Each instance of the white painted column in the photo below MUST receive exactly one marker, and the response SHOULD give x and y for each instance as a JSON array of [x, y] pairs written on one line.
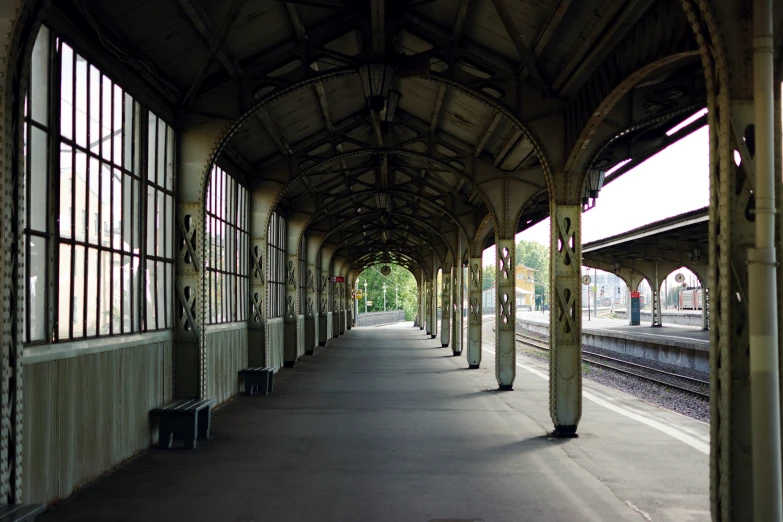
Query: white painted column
[[445, 304], [505, 315], [475, 275]]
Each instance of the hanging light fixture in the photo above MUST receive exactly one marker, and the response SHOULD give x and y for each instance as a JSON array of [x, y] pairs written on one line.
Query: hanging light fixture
[[593, 185], [377, 81], [388, 113]]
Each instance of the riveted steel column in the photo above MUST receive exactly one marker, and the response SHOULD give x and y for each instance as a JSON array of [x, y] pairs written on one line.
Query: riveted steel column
[[309, 308], [433, 297], [445, 306], [323, 314], [189, 355], [257, 353], [565, 319], [762, 283], [422, 302], [427, 308], [656, 299], [456, 309], [475, 276], [505, 315], [291, 309]]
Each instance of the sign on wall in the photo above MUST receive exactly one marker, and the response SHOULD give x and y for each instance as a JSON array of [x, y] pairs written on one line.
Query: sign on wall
[[338, 279]]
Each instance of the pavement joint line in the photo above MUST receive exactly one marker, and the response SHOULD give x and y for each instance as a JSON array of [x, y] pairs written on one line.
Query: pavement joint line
[[656, 424]]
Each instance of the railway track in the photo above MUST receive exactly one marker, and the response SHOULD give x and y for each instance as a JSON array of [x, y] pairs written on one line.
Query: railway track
[[672, 380]]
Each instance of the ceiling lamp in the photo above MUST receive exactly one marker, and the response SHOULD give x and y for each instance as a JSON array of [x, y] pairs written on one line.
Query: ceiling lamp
[[377, 81], [388, 113], [593, 185]]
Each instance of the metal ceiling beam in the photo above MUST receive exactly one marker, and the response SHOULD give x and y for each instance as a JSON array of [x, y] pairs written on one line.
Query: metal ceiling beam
[[551, 25], [268, 123], [438, 104], [612, 26], [487, 134], [522, 49], [378, 19], [215, 44], [459, 23]]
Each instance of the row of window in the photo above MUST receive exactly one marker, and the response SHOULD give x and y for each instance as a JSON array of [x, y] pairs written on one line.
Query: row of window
[[276, 256], [99, 180], [228, 244]]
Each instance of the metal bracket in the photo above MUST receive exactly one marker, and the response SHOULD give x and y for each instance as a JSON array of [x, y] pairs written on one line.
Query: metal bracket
[[186, 305], [186, 237]]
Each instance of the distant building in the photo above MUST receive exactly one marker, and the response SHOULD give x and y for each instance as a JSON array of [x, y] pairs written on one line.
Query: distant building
[[525, 283], [526, 287]]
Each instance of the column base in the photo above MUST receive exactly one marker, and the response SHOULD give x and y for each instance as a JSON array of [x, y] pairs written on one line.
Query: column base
[[310, 352], [565, 432], [421, 328], [289, 364], [473, 367], [456, 354], [444, 345], [433, 336], [335, 336], [321, 343], [505, 387]]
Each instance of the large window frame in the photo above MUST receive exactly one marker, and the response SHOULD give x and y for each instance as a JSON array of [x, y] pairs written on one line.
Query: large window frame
[[228, 243], [276, 262], [85, 203]]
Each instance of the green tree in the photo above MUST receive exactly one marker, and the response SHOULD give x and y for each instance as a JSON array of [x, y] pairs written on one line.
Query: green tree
[[536, 256], [488, 277], [400, 279]]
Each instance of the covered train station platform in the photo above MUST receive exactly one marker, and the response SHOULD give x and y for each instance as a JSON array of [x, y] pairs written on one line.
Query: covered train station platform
[[386, 425], [191, 189]]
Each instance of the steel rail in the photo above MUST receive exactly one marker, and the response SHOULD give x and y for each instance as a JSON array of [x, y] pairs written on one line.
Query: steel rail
[[693, 386]]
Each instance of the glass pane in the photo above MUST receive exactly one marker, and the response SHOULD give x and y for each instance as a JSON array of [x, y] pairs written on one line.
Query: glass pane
[[80, 192], [36, 278], [170, 159], [66, 92], [136, 274], [167, 225], [136, 221], [129, 124], [39, 159], [168, 293], [106, 118], [78, 291], [127, 214], [117, 209], [117, 130], [105, 293], [64, 294], [94, 201], [106, 227], [117, 311], [161, 293], [151, 220], [92, 291], [66, 190], [159, 224], [136, 138], [152, 127], [126, 293], [39, 77], [81, 101], [161, 152], [150, 289], [95, 110]]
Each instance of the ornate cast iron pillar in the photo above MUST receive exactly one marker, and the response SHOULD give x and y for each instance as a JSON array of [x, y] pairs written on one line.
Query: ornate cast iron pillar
[[433, 298], [505, 315], [456, 309], [323, 300], [445, 305], [309, 309], [422, 303], [565, 319], [427, 307], [291, 311], [189, 355], [475, 275], [257, 353]]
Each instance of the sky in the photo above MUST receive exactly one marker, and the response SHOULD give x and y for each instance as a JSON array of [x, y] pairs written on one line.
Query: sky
[[674, 181]]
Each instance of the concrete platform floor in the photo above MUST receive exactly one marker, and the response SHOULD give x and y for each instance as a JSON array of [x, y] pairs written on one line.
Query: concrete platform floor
[[672, 331], [385, 425]]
